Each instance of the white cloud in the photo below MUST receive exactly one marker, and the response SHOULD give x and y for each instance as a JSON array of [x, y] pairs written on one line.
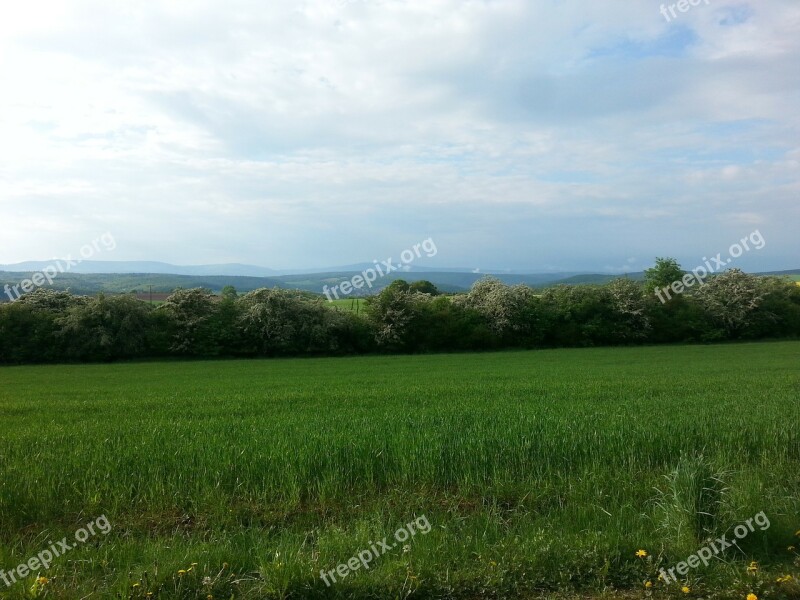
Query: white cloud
[[321, 132]]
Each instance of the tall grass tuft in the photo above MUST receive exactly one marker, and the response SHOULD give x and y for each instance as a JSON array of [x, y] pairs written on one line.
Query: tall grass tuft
[[691, 502]]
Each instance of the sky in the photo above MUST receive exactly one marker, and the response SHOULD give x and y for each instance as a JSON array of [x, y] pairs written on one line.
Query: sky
[[538, 135]]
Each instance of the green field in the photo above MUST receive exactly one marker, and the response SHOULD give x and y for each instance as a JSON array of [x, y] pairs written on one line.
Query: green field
[[540, 473], [352, 304]]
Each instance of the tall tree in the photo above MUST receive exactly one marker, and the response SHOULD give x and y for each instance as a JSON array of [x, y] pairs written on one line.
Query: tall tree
[[663, 274]]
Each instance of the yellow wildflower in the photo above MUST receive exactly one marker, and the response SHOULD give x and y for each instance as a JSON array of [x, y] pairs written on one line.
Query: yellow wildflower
[[648, 584], [686, 589], [42, 580], [641, 553], [752, 597], [181, 572], [752, 567]]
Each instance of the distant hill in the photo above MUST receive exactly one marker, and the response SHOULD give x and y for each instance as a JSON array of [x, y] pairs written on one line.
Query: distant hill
[[598, 278], [116, 283], [91, 267], [148, 267], [781, 273], [163, 283]]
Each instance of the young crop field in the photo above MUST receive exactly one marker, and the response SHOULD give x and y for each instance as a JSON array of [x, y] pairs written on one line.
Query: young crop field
[[557, 473], [353, 304]]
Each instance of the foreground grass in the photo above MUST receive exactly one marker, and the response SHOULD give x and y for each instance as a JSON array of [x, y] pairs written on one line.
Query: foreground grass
[[540, 473]]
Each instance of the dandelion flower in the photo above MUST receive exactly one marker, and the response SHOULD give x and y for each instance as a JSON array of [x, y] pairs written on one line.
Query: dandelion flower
[[42, 580], [648, 584], [686, 589], [752, 597], [641, 553]]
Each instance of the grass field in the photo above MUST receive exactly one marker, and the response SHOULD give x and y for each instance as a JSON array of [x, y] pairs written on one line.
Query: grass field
[[352, 304], [540, 474]]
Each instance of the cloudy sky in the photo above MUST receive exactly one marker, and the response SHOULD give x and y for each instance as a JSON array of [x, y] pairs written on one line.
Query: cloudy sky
[[522, 134]]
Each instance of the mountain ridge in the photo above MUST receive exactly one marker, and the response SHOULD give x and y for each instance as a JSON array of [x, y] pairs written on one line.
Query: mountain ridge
[[94, 267]]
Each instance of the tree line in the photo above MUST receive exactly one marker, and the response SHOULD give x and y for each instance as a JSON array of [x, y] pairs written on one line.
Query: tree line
[[56, 326]]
